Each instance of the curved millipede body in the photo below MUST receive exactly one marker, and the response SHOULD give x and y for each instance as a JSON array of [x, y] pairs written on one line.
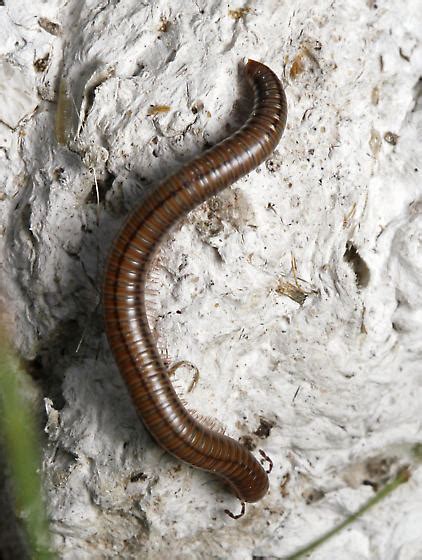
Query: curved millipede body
[[128, 265]]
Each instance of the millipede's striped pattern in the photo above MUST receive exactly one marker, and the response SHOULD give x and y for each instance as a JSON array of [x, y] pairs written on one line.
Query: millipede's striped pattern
[[130, 258]]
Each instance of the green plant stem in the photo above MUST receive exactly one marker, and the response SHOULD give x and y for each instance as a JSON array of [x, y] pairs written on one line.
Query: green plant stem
[[402, 476], [23, 454]]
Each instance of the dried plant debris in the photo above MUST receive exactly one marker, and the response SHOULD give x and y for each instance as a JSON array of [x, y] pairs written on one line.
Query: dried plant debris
[[293, 291], [158, 110], [349, 216], [375, 96], [64, 114], [50, 26], [264, 429], [284, 484], [375, 142], [240, 13], [305, 60]]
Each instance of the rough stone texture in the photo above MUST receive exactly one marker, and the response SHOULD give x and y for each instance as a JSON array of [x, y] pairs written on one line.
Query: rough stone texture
[[296, 294]]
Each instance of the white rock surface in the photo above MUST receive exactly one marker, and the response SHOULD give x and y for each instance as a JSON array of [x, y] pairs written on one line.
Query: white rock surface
[[17, 95], [338, 208]]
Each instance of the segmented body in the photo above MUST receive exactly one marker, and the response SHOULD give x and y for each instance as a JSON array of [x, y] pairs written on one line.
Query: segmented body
[[128, 332]]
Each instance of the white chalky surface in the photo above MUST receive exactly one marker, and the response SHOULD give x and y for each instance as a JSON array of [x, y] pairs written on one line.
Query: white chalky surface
[[336, 211]]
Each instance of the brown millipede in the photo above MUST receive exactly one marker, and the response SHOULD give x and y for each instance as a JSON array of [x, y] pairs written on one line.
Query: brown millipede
[[129, 262]]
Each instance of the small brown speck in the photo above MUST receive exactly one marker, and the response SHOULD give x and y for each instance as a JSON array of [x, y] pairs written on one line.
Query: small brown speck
[[138, 477], [305, 59], [391, 138], [264, 428], [313, 495], [272, 165], [164, 24], [58, 173], [197, 106], [297, 67], [41, 64]]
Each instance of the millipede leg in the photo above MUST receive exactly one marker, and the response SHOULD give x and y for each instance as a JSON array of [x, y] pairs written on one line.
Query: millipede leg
[[239, 515], [266, 459]]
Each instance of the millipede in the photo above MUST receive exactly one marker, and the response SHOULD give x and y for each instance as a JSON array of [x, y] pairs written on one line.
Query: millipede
[[127, 268]]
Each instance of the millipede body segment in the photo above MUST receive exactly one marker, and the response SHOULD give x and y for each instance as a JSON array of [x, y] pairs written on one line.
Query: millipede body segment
[[128, 332]]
